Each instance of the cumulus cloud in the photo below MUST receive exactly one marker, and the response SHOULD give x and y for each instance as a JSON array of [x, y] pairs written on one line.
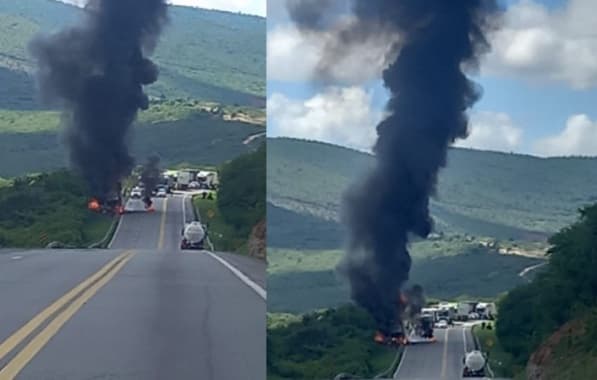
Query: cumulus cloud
[[339, 115], [492, 131], [295, 56], [579, 138], [542, 44]]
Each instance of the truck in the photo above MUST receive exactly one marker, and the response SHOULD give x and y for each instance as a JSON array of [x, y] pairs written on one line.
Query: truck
[[183, 179], [207, 180], [193, 236], [486, 310], [474, 363], [463, 310]]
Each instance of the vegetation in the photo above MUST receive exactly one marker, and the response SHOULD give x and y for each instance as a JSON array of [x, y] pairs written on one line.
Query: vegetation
[[300, 281], [240, 202], [198, 139], [324, 344], [500, 361], [39, 209], [504, 196], [231, 47], [564, 291]]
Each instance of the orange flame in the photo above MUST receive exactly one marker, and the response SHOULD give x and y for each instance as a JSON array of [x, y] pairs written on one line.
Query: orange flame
[[93, 205], [379, 337]]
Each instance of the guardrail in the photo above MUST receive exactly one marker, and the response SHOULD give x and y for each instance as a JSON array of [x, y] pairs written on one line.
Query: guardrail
[[108, 237], [389, 373]]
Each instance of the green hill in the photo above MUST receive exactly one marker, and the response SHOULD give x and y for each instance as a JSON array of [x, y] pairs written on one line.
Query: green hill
[[487, 201], [203, 54], [209, 99], [506, 196]]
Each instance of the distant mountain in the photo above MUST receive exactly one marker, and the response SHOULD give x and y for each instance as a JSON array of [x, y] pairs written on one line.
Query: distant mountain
[[203, 54], [505, 196]]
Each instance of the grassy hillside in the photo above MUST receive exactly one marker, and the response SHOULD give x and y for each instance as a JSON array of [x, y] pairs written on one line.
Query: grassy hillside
[[480, 193], [197, 138], [40, 209], [203, 54], [324, 344], [301, 281]]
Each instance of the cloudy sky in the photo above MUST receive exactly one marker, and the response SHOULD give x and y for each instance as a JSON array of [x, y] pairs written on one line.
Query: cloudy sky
[[252, 7], [540, 84]]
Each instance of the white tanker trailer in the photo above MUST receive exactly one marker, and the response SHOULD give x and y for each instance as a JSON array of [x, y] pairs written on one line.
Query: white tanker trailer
[[193, 236], [474, 364]]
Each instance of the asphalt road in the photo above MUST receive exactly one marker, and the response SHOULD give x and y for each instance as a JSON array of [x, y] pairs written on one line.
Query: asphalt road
[[150, 312], [441, 360]]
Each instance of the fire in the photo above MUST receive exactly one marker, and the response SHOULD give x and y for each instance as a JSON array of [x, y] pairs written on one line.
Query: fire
[[93, 205], [120, 210], [379, 337]]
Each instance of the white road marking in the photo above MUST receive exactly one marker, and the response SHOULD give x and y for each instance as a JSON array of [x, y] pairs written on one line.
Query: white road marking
[[400, 364], [116, 231], [464, 339], [250, 283]]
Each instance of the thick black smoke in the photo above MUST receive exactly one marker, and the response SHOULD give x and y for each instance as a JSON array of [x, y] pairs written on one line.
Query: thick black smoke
[[150, 176], [96, 72], [437, 41]]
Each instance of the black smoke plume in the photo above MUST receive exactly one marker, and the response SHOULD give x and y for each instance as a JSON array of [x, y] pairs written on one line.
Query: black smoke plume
[[437, 42], [150, 176], [96, 72]]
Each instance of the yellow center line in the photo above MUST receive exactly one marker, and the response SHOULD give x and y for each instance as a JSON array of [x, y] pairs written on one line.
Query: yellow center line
[[16, 365], [163, 225], [9, 344], [445, 356]]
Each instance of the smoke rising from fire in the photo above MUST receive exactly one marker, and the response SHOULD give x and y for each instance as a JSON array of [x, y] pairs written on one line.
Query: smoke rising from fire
[[150, 176], [96, 72], [437, 42]]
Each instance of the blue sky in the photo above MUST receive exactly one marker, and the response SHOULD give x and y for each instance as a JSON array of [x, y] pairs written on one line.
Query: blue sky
[[537, 95]]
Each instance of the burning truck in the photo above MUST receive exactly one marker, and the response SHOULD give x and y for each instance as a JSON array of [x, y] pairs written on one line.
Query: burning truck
[[411, 326], [109, 204]]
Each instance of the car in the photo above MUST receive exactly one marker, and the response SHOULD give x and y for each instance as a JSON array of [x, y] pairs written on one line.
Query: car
[[162, 193], [194, 185], [442, 324], [136, 192]]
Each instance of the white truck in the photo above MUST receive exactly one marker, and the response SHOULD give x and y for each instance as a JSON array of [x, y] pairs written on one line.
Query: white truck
[[486, 310], [474, 364], [464, 309], [193, 236], [183, 178]]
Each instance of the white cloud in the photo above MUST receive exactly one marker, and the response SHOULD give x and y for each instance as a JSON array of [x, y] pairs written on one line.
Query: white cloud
[[537, 43], [339, 115], [579, 138], [294, 56], [253, 7], [492, 131]]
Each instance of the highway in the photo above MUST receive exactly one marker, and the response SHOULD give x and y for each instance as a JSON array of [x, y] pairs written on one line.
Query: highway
[[441, 360], [142, 309]]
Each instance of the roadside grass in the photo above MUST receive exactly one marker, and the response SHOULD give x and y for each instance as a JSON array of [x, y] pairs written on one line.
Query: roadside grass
[[323, 344], [223, 236], [500, 361], [96, 227]]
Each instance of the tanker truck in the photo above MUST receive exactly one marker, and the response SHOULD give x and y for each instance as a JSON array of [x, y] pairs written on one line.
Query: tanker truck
[[474, 364], [193, 236]]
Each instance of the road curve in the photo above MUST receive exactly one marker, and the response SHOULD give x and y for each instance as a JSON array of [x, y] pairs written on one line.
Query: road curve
[[144, 310], [441, 360]]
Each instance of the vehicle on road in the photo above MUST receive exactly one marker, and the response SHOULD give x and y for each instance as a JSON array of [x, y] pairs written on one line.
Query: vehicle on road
[[442, 324], [161, 193], [136, 192], [194, 185], [193, 236], [474, 364], [135, 204]]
